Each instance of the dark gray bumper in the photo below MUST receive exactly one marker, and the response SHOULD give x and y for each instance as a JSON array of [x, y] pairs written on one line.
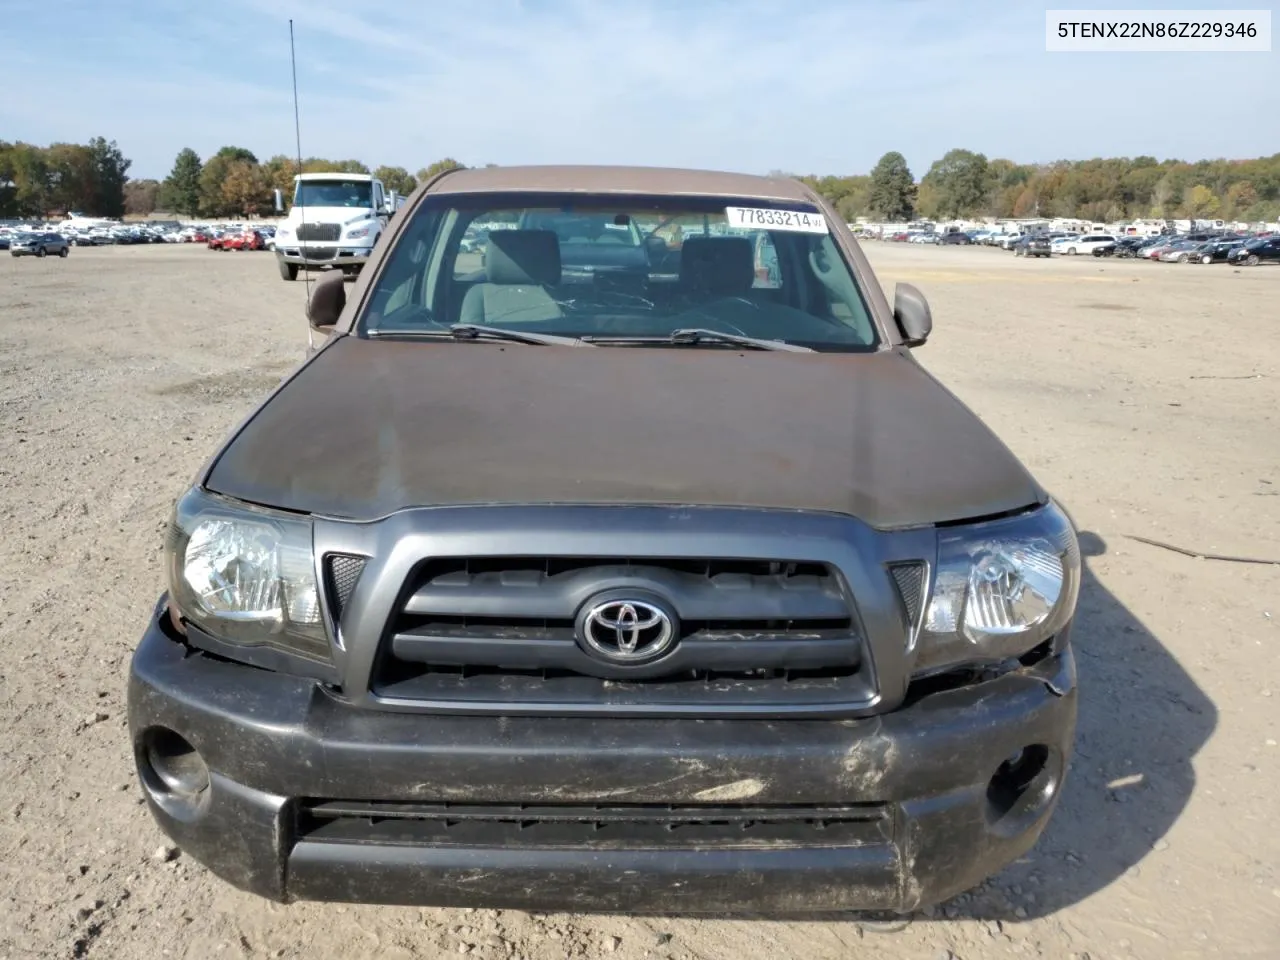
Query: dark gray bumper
[[277, 745]]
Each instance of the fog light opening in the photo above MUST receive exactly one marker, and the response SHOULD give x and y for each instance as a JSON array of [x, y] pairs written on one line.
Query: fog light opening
[[1023, 784], [173, 771]]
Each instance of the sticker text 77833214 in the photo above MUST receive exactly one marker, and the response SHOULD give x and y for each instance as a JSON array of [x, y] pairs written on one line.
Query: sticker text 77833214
[[762, 219]]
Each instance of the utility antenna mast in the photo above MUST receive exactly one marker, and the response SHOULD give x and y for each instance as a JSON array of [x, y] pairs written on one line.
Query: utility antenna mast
[[297, 133]]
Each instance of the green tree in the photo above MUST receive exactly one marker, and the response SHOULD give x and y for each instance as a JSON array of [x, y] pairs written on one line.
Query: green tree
[[71, 176], [1199, 201], [180, 191], [892, 194], [928, 202], [440, 166], [1240, 197], [111, 172], [236, 153], [961, 180], [29, 175], [213, 201], [396, 178], [8, 206]]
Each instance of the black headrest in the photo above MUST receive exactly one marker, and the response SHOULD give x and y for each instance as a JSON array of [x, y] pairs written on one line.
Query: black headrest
[[721, 266], [520, 257]]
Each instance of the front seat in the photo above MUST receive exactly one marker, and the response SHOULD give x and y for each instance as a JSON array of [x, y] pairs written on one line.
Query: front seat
[[519, 266], [712, 267]]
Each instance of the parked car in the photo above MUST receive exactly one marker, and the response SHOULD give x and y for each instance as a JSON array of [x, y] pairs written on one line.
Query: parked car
[[1179, 252], [38, 245], [1032, 245], [956, 238], [1152, 251], [248, 240], [1007, 240], [1106, 249], [1127, 246], [425, 644], [1217, 251], [1084, 244], [1256, 251]]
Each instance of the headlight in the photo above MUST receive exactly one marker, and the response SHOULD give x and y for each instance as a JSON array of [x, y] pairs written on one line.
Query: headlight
[[1001, 588], [355, 232], [245, 575]]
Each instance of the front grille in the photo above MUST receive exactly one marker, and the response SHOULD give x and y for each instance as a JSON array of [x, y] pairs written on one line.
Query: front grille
[[502, 630], [323, 232], [597, 827]]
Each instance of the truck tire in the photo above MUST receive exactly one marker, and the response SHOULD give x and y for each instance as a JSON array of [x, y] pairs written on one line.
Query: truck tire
[[288, 271]]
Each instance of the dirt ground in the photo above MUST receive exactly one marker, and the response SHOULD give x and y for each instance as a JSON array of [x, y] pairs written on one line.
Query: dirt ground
[[1144, 395]]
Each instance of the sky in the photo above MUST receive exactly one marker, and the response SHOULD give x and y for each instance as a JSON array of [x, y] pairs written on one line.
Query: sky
[[804, 86]]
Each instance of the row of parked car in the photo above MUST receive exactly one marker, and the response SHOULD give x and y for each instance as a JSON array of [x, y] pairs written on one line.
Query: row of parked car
[[1203, 248], [45, 239], [1199, 248]]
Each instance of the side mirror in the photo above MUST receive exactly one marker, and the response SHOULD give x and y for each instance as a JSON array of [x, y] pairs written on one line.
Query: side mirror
[[911, 313], [327, 300]]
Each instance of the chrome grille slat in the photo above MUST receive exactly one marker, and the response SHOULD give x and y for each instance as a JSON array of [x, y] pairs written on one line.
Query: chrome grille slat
[[322, 232]]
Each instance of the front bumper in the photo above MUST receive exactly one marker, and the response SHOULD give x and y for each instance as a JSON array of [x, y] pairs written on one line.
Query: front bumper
[[278, 747], [320, 256]]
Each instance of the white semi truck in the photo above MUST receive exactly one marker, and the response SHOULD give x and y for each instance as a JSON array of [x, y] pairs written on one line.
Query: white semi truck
[[334, 222]]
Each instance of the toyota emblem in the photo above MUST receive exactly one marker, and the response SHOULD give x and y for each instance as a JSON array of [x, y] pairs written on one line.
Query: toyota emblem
[[627, 631]]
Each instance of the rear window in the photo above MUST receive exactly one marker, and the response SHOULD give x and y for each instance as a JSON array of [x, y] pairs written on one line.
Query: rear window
[[620, 267]]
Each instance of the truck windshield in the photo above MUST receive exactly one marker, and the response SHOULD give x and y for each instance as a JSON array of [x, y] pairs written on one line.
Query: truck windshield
[[614, 268], [333, 193]]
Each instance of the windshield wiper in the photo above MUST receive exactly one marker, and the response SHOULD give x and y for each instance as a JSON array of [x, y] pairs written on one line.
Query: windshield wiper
[[473, 331], [693, 336]]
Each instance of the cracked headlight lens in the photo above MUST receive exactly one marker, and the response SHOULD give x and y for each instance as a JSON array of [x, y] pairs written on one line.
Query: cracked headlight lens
[[1001, 588]]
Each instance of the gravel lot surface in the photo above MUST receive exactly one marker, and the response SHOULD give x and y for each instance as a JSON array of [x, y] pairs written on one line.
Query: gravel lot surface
[[1144, 395]]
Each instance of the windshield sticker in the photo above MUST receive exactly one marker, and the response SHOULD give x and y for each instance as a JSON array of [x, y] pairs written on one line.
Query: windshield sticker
[[761, 219]]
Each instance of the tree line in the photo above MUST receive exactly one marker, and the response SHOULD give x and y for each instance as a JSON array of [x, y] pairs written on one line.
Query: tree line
[[92, 178], [85, 177], [964, 184], [234, 183]]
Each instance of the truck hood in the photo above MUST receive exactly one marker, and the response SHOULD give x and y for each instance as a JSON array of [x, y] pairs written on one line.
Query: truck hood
[[369, 427]]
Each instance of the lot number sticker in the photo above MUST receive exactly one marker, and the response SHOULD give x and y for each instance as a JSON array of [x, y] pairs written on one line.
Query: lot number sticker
[[776, 219]]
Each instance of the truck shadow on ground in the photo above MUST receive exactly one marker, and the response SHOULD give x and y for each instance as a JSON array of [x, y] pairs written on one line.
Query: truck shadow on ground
[[1142, 721]]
